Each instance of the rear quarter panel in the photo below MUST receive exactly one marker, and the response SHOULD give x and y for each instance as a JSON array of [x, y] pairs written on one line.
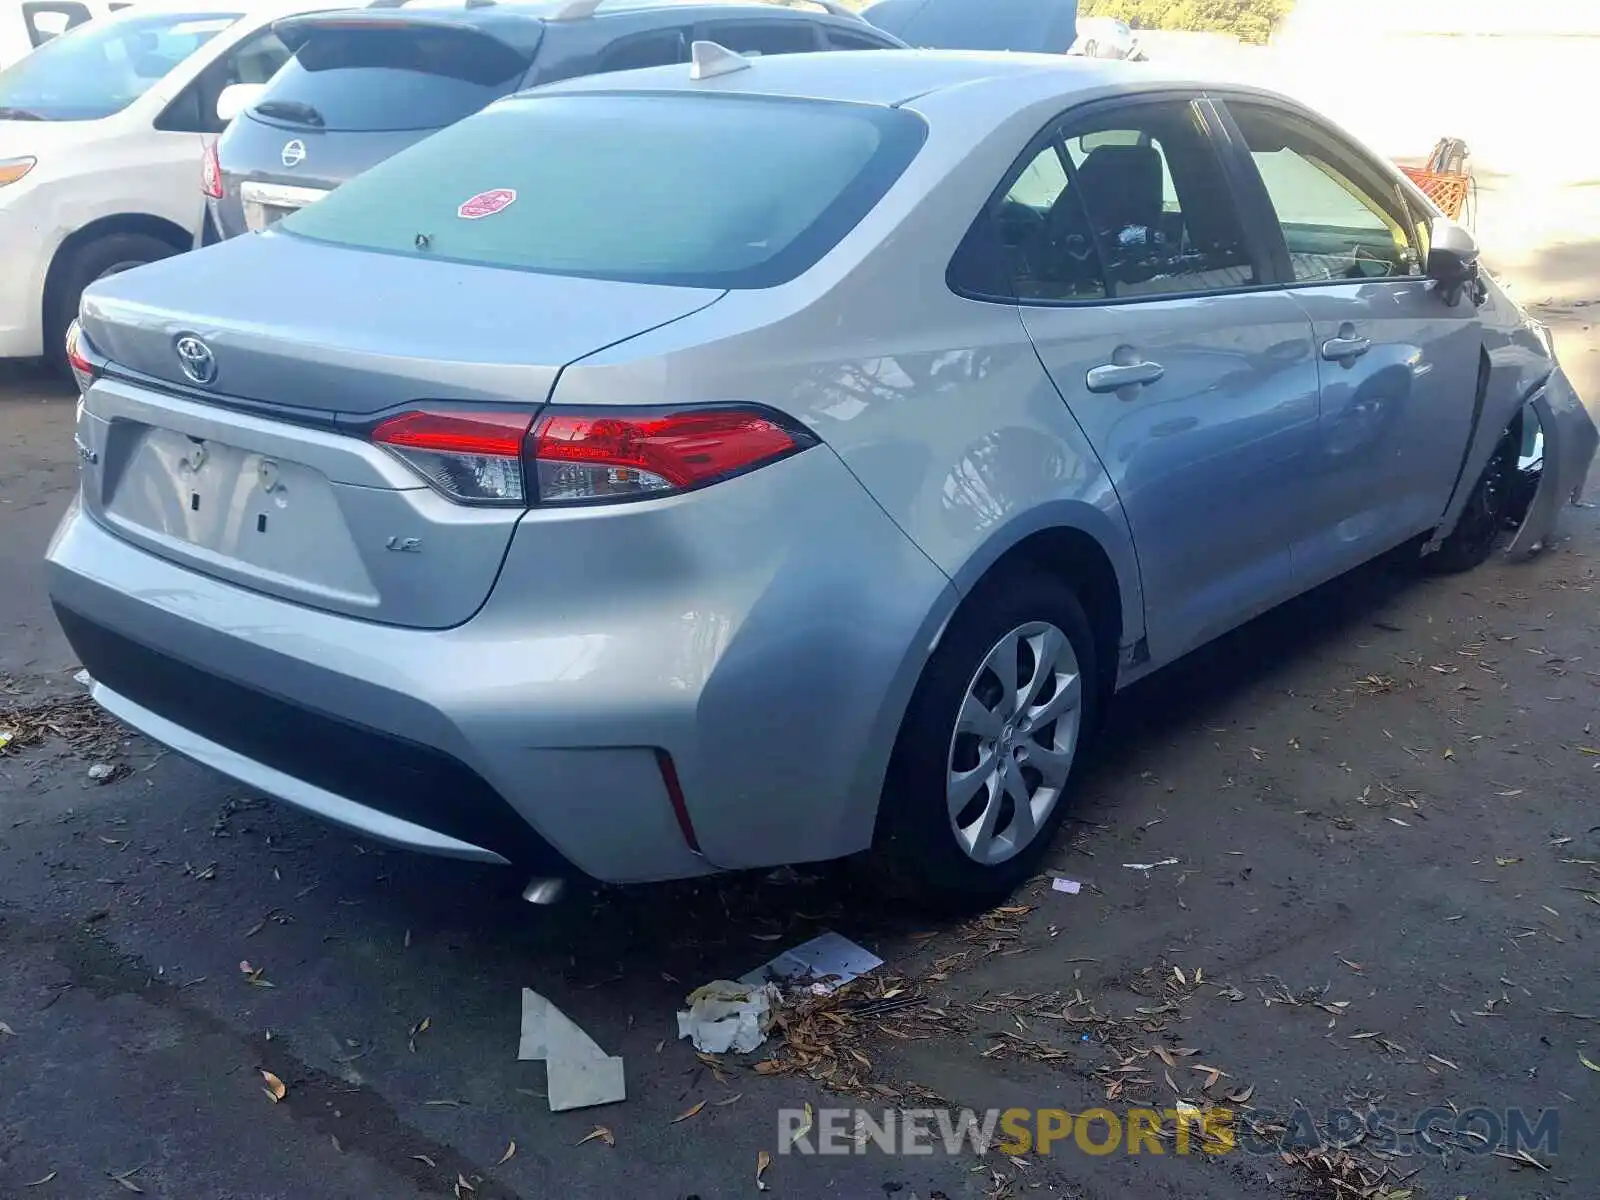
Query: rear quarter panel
[[937, 405]]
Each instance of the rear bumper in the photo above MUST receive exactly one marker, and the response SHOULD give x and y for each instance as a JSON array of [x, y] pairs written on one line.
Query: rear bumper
[[767, 641]]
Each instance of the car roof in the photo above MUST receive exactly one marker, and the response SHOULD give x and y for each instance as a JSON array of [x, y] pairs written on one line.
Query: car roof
[[886, 77]]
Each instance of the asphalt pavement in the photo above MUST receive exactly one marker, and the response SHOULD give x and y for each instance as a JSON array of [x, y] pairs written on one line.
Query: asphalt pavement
[[1366, 877]]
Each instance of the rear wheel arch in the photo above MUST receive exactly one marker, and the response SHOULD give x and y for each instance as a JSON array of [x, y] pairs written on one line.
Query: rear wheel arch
[[59, 276], [1077, 559], [1089, 551]]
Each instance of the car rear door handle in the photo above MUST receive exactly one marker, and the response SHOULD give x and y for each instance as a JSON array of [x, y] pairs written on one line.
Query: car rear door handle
[[1345, 349], [1112, 377]]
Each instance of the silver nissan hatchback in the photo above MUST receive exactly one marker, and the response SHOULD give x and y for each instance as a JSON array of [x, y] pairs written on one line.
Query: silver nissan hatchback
[[763, 461]]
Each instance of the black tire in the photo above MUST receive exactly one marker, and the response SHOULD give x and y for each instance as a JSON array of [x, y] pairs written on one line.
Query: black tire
[[1483, 518], [84, 265], [916, 853]]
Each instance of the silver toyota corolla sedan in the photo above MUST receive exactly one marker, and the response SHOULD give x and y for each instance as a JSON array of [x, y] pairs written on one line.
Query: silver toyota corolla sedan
[[756, 462]]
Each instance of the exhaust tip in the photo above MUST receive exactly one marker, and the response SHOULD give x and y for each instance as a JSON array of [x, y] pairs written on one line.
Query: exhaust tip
[[544, 889]]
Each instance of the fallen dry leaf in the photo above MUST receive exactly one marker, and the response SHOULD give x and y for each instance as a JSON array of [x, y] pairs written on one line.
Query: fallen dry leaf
[[763, 1161], [423, 1158], [598, 1133], [462, 1185], [126, 1179], [733, 1099], [252, 975], [805, 1125], [687, 1113], [506, 1157], [417, 1030], [1586, 1062], [7, 1030], [275, 1088], [1243, 1095], [41, 1182]]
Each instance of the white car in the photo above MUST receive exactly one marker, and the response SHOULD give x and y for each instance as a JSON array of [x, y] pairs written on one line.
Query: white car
[[25, 25], [102, 131]]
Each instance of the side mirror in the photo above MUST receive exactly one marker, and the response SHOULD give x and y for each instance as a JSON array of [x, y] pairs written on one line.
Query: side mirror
[[1453, 262], [237, 97]]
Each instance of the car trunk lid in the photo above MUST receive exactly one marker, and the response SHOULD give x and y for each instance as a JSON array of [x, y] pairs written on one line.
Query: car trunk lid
[[263, 476], [287, 327]]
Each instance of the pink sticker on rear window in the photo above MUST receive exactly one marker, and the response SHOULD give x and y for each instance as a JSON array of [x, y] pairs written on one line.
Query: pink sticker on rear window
[[486, 204]]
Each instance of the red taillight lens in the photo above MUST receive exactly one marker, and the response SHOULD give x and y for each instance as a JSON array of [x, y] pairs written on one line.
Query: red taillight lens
[[609, 456], [83, 367], [489, 457], [473, 457], [211, 173]]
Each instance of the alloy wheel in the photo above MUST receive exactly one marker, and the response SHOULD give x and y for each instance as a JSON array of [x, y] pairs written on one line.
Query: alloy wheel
[[1015, 738]]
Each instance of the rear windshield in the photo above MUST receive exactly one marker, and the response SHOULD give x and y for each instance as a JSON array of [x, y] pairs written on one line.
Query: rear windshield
[[102, 67], [699, 191], [386, 79]]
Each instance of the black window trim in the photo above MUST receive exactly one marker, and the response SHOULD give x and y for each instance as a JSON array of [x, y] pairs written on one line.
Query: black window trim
[[1257, 246], [1257, 200]]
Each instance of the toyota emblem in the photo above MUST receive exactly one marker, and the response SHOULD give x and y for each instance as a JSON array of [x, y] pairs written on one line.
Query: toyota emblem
[[196, 359], [294, 153]]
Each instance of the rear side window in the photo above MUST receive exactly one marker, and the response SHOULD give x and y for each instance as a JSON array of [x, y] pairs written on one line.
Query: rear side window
[[389, 78], [700, 190], [657, 48], [1133, 206], [850, 39], [755, 38]]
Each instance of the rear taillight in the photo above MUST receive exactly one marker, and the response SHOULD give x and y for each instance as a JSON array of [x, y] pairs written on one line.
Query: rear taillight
[[473, 457], [211, 173], [84, 368], [588, 457], [604, 456]]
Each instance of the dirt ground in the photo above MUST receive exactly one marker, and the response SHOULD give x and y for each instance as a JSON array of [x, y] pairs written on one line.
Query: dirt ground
[[1385, 896]]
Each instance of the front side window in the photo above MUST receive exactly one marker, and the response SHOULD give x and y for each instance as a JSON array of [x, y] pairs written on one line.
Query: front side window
[[102, 67], [1122, 207], [698, 190], [1341, 219]]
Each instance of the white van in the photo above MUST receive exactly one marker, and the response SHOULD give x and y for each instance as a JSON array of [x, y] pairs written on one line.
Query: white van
[[102, 135]]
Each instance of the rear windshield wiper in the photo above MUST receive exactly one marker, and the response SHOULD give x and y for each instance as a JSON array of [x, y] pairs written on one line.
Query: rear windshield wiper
[[291, 110], [19, 114]]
